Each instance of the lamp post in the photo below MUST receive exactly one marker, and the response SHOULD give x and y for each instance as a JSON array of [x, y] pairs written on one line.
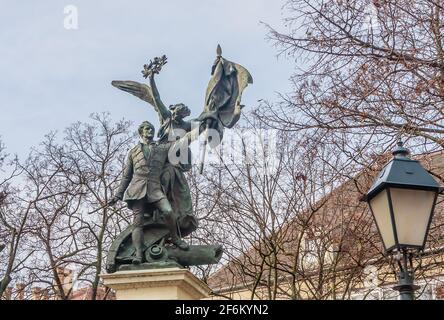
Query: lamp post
[[402, 201]]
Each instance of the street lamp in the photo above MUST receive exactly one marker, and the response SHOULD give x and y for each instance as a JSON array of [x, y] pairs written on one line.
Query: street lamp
[[402, 201]]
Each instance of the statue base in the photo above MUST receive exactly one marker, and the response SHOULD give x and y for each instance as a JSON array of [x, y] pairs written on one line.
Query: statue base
[[150, 265], [156, 284]]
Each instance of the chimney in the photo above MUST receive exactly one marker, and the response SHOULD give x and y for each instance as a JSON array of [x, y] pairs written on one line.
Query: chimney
[[439, 292], [45, 294], [36, 293], [7, 295], [61, 274], [20, 295], [66, 278]]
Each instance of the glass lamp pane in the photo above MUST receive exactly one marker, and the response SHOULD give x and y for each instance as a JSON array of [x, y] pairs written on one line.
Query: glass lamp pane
[[412, 210], [381, 211]]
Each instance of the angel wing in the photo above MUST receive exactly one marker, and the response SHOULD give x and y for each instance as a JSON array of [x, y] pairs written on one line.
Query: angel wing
[[137, 89], [145, 93]]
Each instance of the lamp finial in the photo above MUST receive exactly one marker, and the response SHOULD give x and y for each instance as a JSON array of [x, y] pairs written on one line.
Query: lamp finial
[[400, 151]]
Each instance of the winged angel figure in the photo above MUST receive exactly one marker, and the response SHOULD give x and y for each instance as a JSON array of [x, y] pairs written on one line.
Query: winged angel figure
[[156, 243]]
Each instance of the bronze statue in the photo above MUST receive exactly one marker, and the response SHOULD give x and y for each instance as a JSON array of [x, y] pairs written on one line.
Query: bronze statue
[[155, 187]]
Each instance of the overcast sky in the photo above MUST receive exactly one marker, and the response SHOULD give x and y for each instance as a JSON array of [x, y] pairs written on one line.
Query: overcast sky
[[52, 77]]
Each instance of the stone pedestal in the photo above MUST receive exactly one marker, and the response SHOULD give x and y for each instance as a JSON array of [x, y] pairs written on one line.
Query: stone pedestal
[[156, 284]]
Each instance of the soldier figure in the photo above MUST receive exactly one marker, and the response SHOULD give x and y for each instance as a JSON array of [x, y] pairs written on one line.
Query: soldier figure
[[141, 188]]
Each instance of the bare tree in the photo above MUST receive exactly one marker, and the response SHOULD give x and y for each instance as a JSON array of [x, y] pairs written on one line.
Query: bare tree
[[13, 220], [56, 227], [367, 72], [58, 218], [89, 162], [284, 234]]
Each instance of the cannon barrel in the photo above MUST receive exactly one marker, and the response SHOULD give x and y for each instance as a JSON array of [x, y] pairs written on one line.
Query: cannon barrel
[[196, 254]]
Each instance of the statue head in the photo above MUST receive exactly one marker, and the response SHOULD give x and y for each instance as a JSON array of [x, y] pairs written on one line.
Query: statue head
[[179, 111], [146, 131]]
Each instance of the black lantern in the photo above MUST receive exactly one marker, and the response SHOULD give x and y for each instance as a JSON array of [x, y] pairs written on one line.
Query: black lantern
[[402, 201]]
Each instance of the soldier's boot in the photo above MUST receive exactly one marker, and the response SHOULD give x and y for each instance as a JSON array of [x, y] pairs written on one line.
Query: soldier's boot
[[180, 243], [175, 239], [137, 260], [139, 256], [170, 221]]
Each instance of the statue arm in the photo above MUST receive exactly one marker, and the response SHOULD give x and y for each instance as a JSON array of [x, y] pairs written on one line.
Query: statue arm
[[126, 178], [162, 111]]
